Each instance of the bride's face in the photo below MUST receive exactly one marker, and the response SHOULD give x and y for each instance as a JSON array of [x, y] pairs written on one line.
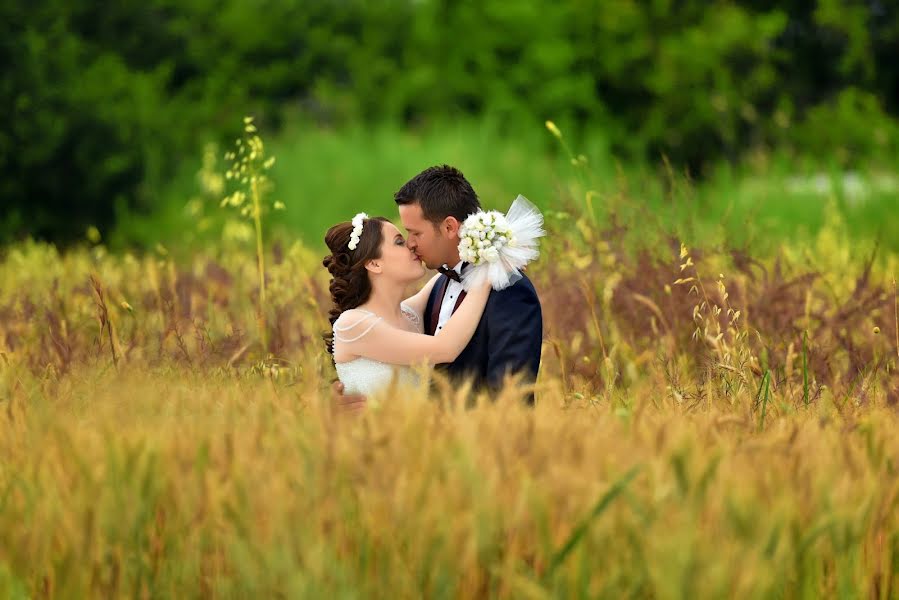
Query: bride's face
[[398, 262]]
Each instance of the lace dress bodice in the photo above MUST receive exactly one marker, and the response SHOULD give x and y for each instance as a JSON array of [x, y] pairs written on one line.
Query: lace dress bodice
[[364, 375]]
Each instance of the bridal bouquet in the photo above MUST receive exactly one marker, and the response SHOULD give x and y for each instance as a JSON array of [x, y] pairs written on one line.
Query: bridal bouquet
[[498, 246]]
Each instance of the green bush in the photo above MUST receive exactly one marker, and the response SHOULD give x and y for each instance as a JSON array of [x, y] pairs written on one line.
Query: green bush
[[104, 102]]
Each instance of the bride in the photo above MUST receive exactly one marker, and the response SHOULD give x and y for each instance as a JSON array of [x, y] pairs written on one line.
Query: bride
[[376, 334]]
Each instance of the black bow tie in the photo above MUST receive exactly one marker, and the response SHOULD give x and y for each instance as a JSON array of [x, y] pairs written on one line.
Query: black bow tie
[[451, 273]]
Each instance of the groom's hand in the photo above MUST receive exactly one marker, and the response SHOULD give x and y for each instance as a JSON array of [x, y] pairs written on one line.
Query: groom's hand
[[353, 404]]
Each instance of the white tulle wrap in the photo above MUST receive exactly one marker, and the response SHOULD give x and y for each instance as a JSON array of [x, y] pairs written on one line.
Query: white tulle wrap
[[500, 260]]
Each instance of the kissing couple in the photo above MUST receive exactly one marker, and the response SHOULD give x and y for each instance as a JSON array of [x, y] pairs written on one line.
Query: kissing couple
[[479, 318]]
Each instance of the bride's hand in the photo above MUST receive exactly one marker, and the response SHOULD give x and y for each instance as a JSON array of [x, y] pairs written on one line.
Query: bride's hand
[[343, 403]]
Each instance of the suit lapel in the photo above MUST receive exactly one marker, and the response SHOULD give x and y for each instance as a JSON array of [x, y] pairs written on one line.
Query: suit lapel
[[437, 303], [459, 300]]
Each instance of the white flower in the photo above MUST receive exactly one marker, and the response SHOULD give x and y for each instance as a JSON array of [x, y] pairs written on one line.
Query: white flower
[[490, 254]]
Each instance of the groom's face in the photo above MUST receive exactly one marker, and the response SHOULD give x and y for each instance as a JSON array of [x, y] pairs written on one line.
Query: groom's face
[[435, 244]]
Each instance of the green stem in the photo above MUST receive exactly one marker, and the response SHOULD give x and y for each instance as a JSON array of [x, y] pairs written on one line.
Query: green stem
[[257, 218]]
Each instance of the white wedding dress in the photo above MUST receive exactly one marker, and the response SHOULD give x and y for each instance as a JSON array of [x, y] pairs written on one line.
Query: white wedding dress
[[364, 375]]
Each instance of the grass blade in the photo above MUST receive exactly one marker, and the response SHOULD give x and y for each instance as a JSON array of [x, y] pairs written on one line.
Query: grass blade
[[805, 367], [581, 529], [766, 381]]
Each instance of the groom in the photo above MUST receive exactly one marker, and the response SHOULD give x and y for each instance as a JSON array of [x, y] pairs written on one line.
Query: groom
[[432, 206]]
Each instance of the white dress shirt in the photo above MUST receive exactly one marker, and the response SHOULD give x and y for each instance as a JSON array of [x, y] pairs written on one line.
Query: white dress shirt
[[449, 299]]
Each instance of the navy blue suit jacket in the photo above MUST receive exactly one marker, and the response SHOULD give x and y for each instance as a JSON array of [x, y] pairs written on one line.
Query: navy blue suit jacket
[[507, 339]]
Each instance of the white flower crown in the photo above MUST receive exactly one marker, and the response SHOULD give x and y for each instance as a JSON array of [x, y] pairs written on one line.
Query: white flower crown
[[357, 230]]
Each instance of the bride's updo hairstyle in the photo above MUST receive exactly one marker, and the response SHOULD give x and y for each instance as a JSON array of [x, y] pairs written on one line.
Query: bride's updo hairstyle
[[350, 286]]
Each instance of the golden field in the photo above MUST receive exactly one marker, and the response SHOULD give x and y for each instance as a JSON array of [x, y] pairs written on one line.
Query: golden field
[[708, 424]]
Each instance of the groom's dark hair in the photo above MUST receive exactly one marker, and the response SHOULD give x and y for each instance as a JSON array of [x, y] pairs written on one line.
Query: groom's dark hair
[[442, 192]]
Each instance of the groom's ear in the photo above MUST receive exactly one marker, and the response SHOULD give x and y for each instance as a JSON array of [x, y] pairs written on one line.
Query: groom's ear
[[451, 227]]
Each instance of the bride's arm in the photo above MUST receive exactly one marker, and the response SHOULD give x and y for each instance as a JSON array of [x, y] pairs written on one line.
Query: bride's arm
[[388, 344], [419, 301]]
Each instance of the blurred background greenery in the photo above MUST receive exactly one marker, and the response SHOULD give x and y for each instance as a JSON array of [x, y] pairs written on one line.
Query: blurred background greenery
[[772, 110]]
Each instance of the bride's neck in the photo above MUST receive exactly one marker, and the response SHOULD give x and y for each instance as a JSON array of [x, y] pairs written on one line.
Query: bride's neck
[[385, 298]]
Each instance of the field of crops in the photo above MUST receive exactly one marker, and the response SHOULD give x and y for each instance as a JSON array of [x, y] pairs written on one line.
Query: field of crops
[[717, 405], [708, 424]]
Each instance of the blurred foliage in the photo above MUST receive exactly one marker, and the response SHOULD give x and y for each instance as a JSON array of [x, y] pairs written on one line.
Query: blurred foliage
[[104, 102]]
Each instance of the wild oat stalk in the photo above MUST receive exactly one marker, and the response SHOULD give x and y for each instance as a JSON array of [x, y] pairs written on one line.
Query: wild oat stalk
[[103, 318], [579, 162], [249, 166], [896, 314], [731, 343]]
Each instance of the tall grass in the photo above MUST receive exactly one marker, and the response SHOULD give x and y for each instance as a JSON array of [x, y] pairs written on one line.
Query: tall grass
[[709, 423]]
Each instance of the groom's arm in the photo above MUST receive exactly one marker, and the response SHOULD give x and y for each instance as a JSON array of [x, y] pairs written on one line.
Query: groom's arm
[[514, 335]]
